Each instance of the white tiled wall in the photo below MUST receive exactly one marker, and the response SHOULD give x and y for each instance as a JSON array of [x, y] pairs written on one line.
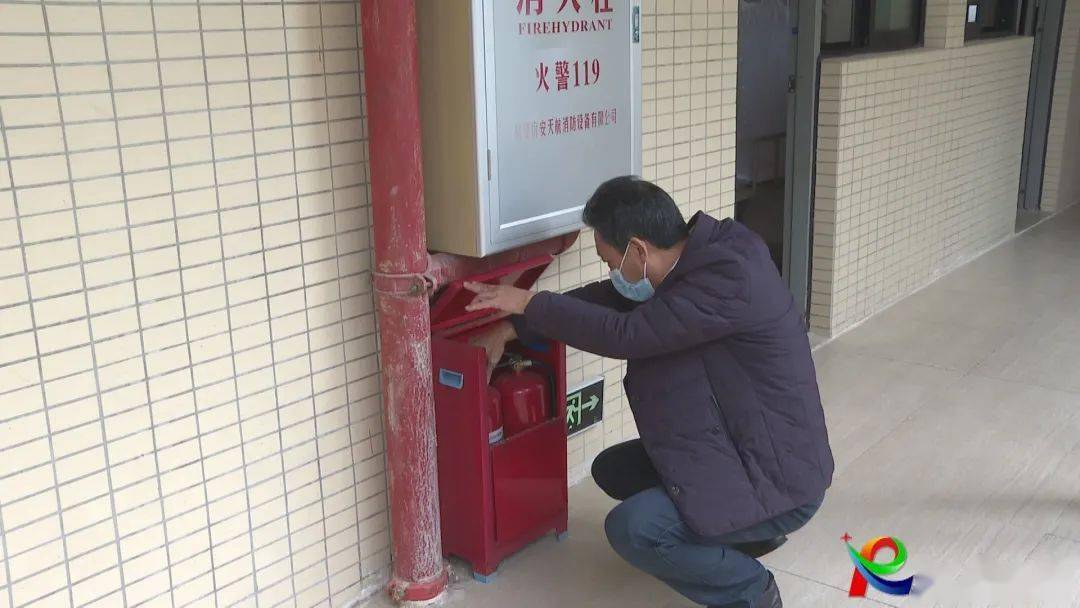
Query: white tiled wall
[[188, 379], [918, 164], [1061, 179], [188, 390]]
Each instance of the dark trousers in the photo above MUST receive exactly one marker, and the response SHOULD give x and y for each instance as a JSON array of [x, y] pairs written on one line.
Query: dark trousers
[[646, 530]]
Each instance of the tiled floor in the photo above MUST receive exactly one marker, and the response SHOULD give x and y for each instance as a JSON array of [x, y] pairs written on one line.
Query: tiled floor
[[955, 422]]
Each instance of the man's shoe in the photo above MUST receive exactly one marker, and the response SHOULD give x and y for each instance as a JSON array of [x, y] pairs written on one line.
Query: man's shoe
[[770, 598], [759, 548]]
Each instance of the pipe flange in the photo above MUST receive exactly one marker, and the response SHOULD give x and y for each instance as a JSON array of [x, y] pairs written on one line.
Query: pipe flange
[[409, 284]]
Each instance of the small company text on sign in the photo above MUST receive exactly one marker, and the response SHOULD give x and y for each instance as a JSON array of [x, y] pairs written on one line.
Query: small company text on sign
[[555, 126]]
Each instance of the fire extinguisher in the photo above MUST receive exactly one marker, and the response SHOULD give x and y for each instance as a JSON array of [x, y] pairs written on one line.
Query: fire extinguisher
[[495, 415], [525, 397]]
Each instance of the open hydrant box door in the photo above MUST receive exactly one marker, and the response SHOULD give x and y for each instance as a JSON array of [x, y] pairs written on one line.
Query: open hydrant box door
[[448, 313], [501, 443]]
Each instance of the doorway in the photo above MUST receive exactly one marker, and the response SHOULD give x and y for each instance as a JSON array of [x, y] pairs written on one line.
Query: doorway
[[776, 117], [1043, 18]]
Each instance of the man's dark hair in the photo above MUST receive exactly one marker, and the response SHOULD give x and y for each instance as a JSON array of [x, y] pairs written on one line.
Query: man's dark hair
[[628, 206]]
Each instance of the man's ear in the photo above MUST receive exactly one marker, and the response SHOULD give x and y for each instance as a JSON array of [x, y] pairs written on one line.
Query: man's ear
[[641, 247]]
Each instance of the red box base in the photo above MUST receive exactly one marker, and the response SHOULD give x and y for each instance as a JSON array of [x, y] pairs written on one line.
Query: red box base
[[495, 499]]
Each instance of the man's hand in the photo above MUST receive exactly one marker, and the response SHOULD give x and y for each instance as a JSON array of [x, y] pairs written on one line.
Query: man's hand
[[494, 341], [500, 297]]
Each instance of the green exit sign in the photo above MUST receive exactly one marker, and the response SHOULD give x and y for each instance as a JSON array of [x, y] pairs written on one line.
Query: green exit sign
[[584, 406]]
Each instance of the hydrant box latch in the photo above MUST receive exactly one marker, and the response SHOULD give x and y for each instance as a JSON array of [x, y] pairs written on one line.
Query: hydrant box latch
[[501, 444]]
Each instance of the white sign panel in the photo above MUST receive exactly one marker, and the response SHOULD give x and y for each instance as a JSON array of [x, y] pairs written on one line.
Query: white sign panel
[[563, 109]]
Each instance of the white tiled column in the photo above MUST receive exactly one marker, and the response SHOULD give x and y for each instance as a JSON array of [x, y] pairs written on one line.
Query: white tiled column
[[945, 20], [918, 161]]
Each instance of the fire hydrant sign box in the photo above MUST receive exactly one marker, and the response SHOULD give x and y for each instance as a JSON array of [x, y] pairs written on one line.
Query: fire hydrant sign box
[[527, 106]]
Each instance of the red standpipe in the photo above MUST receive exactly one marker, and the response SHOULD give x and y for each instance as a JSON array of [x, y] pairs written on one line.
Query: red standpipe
[[391, 72]]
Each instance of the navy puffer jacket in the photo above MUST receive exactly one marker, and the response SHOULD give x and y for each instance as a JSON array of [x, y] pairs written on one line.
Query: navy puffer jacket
[[720, 378]]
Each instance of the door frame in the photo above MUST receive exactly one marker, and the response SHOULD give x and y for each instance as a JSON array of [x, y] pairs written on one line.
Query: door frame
[[1048, 16], [801, 150]]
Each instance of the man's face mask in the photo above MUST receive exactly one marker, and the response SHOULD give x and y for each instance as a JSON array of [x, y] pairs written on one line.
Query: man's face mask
[[638, 291]]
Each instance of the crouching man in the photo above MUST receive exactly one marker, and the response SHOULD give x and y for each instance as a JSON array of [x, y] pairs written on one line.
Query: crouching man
[[734, 453]]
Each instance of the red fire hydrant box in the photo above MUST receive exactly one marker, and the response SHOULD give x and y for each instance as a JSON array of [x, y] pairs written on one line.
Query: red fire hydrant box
[[501, 445]]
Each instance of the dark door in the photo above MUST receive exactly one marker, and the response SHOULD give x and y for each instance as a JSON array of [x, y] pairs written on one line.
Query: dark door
[[1045, 17]]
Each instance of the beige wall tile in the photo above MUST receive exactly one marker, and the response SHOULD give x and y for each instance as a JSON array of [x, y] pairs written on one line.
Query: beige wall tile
[[70, 19], [21, 18], [15, 50]]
